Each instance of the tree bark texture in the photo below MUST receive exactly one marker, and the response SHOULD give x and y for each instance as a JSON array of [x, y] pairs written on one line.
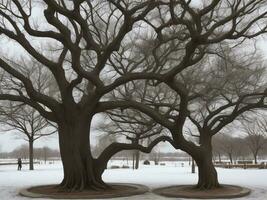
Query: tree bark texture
[[80, 168], [207, 174]]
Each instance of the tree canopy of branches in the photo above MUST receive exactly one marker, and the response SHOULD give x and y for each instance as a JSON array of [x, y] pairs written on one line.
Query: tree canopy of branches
[[231, 87], [93, 50]]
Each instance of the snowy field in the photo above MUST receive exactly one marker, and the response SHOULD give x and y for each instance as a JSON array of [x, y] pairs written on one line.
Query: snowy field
[[11, 180]]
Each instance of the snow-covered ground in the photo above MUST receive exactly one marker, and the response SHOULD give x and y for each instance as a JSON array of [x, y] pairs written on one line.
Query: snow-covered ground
[[11, 180]]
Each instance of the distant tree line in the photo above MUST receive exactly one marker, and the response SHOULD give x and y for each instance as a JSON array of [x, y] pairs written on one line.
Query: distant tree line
[[41, 153], [227, 147]]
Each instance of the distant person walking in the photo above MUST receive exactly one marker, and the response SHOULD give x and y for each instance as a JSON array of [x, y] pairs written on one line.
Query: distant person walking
[[19, 164]]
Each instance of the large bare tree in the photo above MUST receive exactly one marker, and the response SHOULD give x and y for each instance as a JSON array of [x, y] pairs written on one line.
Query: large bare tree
[[93, 44], [217, 94], [232, 88]]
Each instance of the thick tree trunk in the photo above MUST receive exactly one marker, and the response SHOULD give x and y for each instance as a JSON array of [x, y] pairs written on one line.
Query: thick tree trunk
[[207, 174], [80, 168], [31, 154]]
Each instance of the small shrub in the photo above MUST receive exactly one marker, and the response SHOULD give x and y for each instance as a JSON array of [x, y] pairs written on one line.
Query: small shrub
[[114, 167], [146, 162]]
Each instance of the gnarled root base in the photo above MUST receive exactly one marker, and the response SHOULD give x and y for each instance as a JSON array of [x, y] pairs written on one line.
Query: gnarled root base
[[114, 190], [189, 191], [71, 187], [209, 185]]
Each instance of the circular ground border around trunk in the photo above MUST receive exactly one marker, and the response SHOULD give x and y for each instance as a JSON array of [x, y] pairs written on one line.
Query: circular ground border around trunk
[[124, 190], [190, 192]]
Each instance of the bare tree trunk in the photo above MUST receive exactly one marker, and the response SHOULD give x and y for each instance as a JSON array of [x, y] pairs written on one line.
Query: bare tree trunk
[[255, 155], [133, 163], [45, 154], [137, 159], [230, 157], [31, 154], [80, 169], [193, 168], [189, 160], [207, 174]]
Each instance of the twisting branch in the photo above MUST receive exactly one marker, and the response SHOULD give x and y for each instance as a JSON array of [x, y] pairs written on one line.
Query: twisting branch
[[114, 148]]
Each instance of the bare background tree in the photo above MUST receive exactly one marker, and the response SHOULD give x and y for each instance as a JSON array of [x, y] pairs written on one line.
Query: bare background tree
[[231, 147], [21, 118], [255, 135], [26, 121]]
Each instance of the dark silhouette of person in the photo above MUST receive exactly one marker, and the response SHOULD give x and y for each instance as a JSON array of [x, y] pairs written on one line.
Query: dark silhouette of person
[[19, 164]]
